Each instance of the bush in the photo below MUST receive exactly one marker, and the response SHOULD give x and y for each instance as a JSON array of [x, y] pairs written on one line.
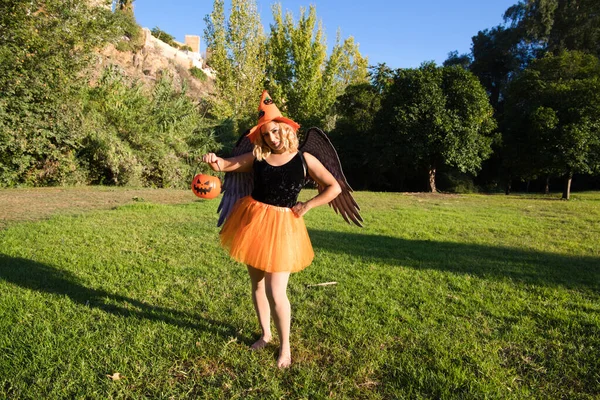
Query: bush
[[454, 181], [164, 36], [198, 73], [43, 56], [131, 34], [137, 138]]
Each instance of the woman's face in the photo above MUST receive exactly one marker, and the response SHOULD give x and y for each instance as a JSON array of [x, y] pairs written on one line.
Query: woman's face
[[271, 135]]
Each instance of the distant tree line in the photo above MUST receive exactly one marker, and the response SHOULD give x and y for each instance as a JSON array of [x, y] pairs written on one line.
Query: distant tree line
[[541, 72], [523, 106], [407, 124]]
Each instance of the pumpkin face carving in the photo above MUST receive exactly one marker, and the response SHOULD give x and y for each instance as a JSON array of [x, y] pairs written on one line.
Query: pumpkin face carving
[[206, 186]]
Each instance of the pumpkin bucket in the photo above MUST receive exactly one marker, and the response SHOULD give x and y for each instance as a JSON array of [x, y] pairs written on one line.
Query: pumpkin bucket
[[206, 186]]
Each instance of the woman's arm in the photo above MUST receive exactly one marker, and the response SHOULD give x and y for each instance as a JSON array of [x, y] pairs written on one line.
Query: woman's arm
[[320, 174], [241, 163]]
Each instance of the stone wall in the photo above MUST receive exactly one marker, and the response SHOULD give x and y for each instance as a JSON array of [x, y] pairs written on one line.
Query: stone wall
[[186, 59]]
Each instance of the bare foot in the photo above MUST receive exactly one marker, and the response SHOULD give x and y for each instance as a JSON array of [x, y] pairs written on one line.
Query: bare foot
[[261, 343], [284, 360]]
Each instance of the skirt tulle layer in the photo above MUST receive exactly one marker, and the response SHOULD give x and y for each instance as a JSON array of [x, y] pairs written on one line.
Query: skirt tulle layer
[[269, 238]]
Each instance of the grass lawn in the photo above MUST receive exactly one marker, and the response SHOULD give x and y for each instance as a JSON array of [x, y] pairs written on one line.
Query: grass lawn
[[470, 296]]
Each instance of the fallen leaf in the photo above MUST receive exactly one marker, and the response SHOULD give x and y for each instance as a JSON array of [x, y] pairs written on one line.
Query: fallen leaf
[[115, 377]]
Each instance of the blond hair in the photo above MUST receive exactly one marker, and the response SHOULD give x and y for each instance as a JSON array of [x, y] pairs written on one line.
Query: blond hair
[[288, 138]]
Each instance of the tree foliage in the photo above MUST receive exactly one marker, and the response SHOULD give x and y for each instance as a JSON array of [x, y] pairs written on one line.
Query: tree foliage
[[497, 56], [300, 75], [433, 116], [535, 28], [553, 117], [353, 134], [163, 36], [539, 70], [238, 57], [44, 49], [558, 25], [125, 6], [463, 60]]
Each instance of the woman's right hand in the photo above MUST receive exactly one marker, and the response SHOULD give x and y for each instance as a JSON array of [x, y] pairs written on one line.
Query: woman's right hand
[[216, 163]]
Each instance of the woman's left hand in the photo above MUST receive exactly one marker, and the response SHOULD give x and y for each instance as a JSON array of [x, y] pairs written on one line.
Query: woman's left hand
[[300, 208]]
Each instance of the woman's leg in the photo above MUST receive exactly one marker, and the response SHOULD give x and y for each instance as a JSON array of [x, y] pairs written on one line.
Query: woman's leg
[[261, 305], [276, 287]]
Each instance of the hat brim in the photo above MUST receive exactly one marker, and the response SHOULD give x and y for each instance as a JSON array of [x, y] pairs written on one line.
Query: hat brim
[[256, 129]]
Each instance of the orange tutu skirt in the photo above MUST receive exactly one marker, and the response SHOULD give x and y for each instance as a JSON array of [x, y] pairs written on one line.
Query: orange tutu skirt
[[269, 238]]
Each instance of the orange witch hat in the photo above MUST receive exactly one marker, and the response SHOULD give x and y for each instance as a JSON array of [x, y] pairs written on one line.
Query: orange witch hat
[[267, 112]]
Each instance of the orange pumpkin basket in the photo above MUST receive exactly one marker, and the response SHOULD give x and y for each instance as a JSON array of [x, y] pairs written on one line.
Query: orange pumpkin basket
[[206, 186]]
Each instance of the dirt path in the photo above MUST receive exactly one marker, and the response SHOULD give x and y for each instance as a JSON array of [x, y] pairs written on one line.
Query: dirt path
[[37, 203]]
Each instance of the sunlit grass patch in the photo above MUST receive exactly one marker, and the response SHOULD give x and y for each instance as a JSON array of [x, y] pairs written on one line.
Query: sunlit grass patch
[[437, 297]]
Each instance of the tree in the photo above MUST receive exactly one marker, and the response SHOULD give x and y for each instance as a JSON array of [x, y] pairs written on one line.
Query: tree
[[299, 85], [238, 57], [497, 57], [163, 36], [553, 116], [381, 77], [434, 116], [353, 135], [345, 66], [44, 50], [132, 137], [558, 25], [463, 60], [300, 74], [355, 132]]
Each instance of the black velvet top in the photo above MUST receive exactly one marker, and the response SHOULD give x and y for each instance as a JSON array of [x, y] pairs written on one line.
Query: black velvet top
[[279, 186]]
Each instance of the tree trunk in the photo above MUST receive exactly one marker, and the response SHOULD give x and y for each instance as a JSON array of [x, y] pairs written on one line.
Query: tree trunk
[[432, 187], [547, 188], [508, 187], [527, 187], [567, 191]]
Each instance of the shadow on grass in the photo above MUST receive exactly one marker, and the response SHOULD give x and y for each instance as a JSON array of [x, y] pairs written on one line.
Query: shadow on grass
[[44, 278], [530, 267]]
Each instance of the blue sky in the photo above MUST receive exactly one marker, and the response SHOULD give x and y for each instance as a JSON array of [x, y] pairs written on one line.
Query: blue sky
[[400, 33]]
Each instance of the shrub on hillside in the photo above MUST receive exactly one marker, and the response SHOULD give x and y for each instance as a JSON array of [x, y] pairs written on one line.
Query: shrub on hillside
[[139, 138], [198, 73], [164, 36], [132, 38]]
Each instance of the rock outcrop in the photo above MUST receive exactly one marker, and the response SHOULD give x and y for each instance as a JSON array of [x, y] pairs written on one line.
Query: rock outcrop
[[156, 57]]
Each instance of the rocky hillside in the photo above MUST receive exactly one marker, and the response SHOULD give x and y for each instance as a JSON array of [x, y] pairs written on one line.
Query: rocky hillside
[[154, 58]]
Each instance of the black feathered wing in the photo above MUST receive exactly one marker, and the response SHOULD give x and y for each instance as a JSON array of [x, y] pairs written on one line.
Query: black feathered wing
[[319, 145], [236, 184]]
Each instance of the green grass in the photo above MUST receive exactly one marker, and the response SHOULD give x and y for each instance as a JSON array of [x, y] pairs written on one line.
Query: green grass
[[468, 296]]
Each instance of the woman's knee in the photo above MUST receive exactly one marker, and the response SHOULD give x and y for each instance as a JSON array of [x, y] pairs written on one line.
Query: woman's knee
[[276, 288]]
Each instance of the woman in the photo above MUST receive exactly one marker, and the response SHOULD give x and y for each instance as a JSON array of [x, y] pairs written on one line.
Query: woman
[[265, 230]]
